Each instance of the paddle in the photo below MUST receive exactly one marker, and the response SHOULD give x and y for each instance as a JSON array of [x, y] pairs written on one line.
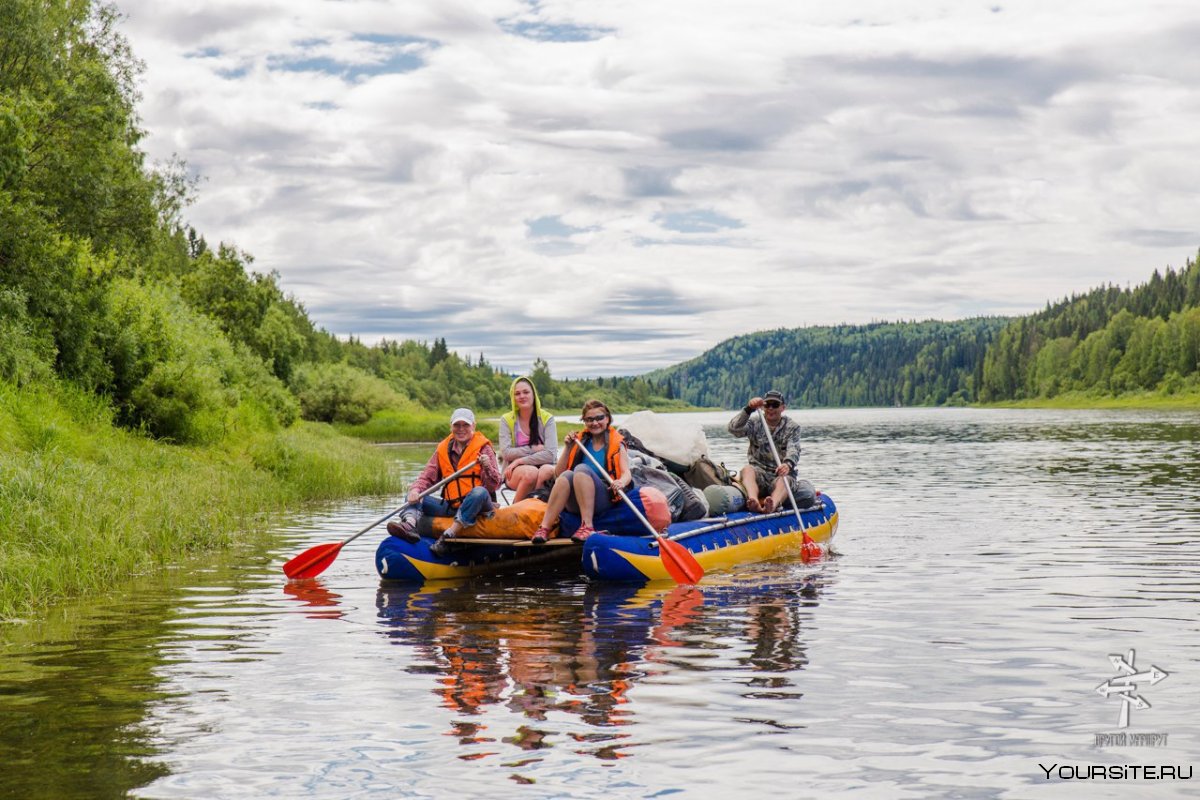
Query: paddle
[[677, 559], [809, 550], [315, 560]]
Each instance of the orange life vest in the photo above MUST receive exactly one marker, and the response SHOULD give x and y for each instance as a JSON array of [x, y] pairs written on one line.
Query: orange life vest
[[613, 467], [454, 491]]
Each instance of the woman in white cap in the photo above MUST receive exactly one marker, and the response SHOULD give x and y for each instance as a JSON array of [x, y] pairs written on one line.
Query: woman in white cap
[[465, 497]]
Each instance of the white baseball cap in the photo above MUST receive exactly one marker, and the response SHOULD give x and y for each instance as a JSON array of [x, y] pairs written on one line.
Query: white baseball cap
[[462, 415]]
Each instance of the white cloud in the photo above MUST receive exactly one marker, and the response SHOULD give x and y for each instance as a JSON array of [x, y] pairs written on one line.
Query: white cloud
[[660, 176]]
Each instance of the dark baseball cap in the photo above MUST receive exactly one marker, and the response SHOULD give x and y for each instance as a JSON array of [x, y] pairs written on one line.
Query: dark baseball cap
[[775, 394]]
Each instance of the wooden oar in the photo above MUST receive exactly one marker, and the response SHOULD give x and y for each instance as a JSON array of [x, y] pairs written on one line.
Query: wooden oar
[[677, 559], [809, 549], [315, 560]]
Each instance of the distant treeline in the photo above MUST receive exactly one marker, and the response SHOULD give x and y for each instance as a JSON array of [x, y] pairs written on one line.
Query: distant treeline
[[1107, 341], [912, 363], [1104, 343]]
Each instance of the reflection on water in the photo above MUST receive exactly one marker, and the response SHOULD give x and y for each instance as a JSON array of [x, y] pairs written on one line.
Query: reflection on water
[[567, 652], [314, 595], [991, 560]]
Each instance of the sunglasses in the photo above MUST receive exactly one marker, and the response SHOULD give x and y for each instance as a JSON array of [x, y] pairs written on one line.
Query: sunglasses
[[598, 418], [772, 404]]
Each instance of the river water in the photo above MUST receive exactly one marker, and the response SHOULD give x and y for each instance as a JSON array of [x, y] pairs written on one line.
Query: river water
[[989, 562]]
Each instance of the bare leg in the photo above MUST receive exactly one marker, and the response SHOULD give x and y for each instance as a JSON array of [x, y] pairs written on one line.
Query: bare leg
[[779, 492], [545, 474], [558, 501], [750, 481], [524, 480], [585, 495]]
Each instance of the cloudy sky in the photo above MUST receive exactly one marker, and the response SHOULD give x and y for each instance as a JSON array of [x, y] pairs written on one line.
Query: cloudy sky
[[616, 186]]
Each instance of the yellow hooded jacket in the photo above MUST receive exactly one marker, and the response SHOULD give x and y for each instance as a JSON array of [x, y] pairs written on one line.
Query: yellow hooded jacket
[[509, 451]]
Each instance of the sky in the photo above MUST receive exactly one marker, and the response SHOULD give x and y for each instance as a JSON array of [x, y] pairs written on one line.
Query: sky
[[618, 186]]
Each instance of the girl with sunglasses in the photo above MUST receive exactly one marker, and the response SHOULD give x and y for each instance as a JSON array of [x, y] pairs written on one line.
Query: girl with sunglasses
[[577, 486]]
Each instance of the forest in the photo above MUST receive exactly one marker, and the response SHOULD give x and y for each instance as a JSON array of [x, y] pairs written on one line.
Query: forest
[[1107, 342], [881, 364]]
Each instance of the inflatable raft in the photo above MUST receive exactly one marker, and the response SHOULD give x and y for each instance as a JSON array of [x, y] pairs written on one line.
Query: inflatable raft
[[502, 546]]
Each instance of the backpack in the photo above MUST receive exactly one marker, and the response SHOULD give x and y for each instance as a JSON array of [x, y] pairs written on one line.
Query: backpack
[[704, 473]]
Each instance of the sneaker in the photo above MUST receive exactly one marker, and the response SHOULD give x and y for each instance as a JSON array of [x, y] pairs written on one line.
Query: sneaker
[[583, 533], [400, 531], [440, 548], [540, 536]]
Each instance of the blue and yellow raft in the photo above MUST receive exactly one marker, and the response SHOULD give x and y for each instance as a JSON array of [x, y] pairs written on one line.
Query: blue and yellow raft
[[719, 543]]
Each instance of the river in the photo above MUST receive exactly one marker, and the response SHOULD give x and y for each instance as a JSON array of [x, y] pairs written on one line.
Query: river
[[988, 564]]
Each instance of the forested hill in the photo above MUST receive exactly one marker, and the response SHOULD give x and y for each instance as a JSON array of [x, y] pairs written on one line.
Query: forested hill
[[912, 363], [1108, 341]]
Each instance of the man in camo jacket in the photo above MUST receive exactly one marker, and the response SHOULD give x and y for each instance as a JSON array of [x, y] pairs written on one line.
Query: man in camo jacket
[[761, 477]]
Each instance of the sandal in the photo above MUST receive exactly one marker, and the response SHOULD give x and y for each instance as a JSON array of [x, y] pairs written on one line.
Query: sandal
[[583, 533], [540, 536]]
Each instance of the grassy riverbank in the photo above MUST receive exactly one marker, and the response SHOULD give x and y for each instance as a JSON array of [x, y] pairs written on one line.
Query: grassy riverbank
[[83, 503], [392, 425], [1149, 400]]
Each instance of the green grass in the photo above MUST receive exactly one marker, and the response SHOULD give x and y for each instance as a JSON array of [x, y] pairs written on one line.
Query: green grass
[[392, 425], [84, 504], [1149, 400]]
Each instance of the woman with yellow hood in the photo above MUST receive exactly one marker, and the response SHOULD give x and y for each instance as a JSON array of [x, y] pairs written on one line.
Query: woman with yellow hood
[[528, 441]]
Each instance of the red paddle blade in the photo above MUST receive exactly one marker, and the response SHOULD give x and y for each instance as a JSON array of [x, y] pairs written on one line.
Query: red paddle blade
[[679, 562], [810, 550], [313, 561]]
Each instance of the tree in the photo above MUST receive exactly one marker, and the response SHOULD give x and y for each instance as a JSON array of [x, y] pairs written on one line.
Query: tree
[[439, 353], [541, 379]]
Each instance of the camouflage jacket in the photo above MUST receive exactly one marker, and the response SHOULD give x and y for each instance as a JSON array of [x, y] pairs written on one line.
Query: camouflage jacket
[[787, 439]]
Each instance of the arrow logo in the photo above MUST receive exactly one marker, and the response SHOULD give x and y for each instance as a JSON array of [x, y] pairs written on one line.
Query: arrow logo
[[1125, 686]]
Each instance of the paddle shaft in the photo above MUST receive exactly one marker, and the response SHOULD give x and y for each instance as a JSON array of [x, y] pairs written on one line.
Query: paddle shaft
[[420, 497], [779, 463]]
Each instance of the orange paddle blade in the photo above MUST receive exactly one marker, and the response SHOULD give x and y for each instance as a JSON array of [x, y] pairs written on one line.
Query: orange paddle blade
[[679, 561], [313, 561], [810, 550]]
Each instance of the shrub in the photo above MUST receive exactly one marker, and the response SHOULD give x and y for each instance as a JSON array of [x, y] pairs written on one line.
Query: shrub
[[23, 356], [340, 393], [176, 375]]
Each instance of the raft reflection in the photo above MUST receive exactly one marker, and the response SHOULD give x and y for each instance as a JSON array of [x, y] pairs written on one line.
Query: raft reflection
[[565, 658]]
